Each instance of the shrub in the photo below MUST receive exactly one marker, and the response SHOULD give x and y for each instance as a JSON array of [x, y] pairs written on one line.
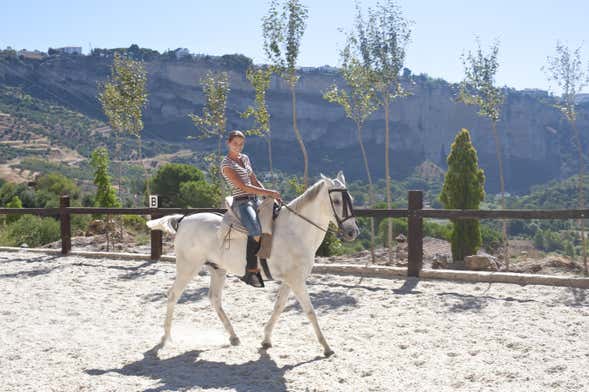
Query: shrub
[[31, 230]]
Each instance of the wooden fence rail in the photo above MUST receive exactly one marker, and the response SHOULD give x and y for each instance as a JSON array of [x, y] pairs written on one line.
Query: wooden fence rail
[[415, 213]]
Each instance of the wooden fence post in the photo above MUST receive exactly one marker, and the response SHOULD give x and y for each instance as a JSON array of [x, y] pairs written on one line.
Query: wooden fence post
[[66, 229], [415, 234], [156, 235]]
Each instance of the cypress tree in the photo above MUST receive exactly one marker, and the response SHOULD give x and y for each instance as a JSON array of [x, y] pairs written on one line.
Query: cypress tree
[[463, 189]]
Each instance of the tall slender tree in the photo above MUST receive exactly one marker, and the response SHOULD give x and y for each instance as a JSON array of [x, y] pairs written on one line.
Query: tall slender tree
[[213, 121], [478, 88], [359, 102], [123, 99], [381, 41], [260, 78], [565, 68], [464, 188], [283, 28]]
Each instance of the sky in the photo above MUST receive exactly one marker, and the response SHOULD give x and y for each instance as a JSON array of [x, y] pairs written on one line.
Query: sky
[[527, 30]]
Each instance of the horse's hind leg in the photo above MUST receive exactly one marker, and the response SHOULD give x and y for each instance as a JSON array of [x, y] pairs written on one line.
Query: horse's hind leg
[[278, 308], [184, 274], [302, 295], [215, 295]]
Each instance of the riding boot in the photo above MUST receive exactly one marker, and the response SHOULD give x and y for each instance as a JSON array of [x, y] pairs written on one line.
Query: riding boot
[[252, 272]]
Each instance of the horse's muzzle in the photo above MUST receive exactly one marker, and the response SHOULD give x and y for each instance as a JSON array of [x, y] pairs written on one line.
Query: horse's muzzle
[[350, 233]]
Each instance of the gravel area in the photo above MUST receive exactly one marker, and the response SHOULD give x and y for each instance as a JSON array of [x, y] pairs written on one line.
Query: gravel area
[[77, 324]]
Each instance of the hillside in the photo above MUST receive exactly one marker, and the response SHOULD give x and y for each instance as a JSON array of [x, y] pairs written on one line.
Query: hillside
[[537, 142]]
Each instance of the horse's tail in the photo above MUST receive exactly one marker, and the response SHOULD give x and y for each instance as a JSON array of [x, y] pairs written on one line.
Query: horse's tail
[[168, 223]]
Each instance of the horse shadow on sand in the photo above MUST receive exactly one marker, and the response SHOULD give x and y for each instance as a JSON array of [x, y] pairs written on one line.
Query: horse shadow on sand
[[187, 371], [43, 270]]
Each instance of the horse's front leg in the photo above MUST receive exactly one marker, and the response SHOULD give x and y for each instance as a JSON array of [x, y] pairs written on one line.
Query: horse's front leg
[[300, 291], [283, 293], [215, 295]]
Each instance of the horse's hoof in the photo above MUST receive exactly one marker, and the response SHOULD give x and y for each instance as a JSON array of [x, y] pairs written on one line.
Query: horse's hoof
[[266, 345], [328, 353], [234, 341]]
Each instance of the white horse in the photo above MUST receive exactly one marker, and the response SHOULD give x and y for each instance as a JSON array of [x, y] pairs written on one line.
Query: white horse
[[298, 231]]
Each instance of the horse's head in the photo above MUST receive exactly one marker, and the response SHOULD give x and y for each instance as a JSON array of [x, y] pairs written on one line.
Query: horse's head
[[341, 207]]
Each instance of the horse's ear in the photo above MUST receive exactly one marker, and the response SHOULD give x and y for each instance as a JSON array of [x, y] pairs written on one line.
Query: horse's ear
[[328, 180], [340, 176]]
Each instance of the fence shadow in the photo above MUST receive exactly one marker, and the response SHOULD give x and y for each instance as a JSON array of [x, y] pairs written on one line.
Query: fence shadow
[[326, 300], [187, 296], [468, 302], [187, 371], [31, 273]]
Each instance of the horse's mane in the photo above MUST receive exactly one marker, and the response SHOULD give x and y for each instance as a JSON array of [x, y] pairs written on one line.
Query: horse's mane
[[309, 194]]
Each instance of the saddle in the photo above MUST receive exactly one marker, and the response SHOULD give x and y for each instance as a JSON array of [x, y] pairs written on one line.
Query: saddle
[[267, 212]]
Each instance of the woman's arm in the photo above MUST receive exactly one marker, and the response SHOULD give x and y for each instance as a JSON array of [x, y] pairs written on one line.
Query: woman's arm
[[252, 189], [255, 181]]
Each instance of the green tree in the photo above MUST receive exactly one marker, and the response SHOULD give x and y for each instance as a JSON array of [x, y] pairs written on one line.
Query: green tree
[[13, 203], [50, 186], [358, 102], [478, 88], [539, 240], [260, 79], [283, 28], [381, 41], [174, 183], [123, 98], [569, 249], [213, 121], [199, 194], [566, 70], [463, 189], [105, 194]]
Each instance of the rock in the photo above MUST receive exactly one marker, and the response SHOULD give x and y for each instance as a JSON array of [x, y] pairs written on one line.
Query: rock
[[440, 261], [97, 226], [563, 262], [24, 245], [480, 263]]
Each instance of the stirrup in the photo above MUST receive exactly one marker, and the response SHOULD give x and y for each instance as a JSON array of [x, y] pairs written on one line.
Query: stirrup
[[253, 279]]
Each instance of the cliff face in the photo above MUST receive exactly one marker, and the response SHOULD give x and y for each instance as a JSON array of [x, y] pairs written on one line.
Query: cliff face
[[536, 141]]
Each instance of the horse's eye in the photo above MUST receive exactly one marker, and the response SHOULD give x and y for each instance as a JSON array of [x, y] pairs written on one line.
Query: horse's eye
[[337, 202]]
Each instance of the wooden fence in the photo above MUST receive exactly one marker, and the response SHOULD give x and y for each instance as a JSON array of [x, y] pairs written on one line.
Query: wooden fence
[[415, 213]]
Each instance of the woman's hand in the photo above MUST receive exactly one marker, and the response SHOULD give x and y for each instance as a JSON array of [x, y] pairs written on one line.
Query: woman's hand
[[274, 194]]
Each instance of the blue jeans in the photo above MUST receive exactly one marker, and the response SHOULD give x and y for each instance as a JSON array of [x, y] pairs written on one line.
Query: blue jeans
[[249, 216]]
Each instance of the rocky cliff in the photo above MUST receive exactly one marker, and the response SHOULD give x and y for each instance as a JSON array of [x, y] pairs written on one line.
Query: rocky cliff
[[536, 141]]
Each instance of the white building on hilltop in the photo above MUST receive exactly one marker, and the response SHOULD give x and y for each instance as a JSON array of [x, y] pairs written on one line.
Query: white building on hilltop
[[69, 50]]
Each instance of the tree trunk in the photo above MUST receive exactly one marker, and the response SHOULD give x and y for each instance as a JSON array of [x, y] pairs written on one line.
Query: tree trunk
[[118, 157], [221, 180], [107, 232], [298, 136], [269, 141], [502, 188], [143, 165], [388, 175], [581, 192], [370, 189]]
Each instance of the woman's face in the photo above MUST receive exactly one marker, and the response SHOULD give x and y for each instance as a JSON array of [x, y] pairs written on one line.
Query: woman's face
[[236, 144]]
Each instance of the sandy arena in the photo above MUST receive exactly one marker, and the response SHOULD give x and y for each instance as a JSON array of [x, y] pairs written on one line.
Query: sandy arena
[[80, 324]]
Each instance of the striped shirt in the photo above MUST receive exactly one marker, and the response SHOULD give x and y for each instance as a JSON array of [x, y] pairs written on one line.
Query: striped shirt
[[243, 172]]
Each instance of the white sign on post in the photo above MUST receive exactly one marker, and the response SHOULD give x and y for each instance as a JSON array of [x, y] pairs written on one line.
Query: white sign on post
[[153, 201]]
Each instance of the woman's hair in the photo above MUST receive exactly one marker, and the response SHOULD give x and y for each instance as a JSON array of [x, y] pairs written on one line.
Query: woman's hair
[[233, 134]]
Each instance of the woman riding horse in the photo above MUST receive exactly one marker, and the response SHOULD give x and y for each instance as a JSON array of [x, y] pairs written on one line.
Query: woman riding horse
[[237, 170]]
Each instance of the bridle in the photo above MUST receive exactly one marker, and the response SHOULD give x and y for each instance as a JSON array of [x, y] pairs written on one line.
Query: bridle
[[347, 211]]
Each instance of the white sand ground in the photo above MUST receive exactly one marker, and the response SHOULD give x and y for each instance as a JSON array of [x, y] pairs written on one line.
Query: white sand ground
[[75, 324]]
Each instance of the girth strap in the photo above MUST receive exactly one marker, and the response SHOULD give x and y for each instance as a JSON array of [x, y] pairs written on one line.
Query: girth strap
[[266, 269]]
